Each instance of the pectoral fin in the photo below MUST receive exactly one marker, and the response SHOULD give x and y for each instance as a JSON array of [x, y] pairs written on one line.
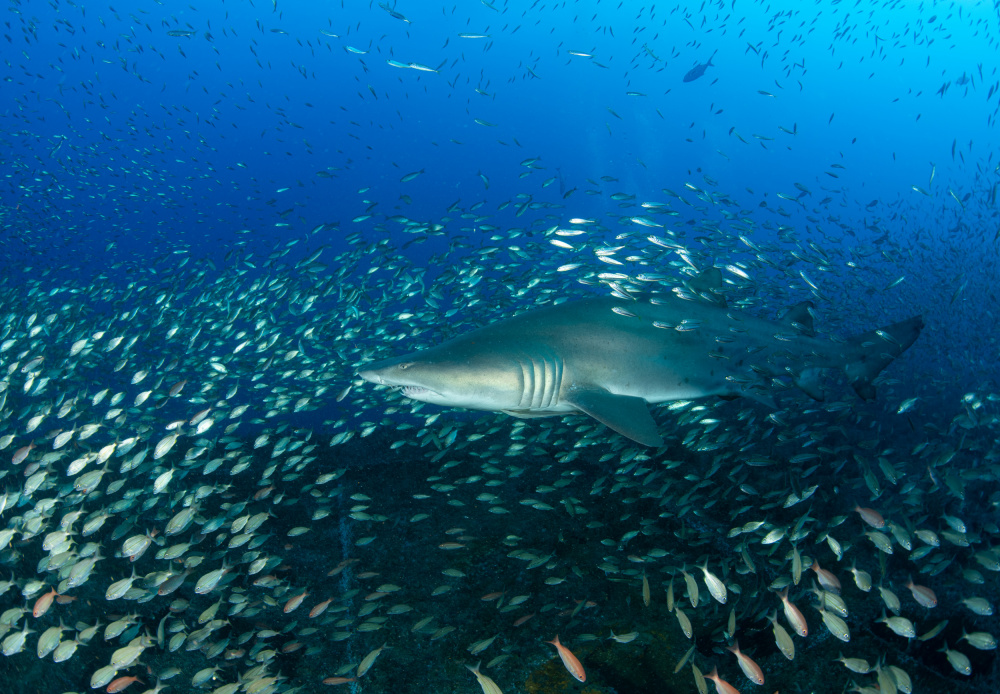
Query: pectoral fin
[[627, 415], [809, 381]]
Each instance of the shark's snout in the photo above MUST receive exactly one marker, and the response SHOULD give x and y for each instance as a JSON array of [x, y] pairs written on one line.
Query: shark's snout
[[381, 372], [371, 376]]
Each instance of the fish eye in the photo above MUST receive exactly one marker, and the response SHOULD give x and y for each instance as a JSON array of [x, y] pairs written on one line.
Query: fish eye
[[405, 365]]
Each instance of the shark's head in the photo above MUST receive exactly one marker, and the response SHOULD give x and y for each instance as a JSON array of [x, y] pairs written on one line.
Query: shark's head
[[450, 377]]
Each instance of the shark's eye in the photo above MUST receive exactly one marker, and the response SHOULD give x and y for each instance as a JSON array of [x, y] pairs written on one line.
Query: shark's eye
[[405, 365]]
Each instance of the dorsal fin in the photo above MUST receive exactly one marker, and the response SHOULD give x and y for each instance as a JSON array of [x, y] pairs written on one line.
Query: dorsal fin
[[708, 286], [799, 318]]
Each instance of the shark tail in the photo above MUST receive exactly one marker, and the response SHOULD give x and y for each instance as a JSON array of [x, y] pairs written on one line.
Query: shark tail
[[871, 352]]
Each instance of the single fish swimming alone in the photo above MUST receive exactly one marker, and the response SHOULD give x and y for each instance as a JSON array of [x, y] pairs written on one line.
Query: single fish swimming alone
[[610, 358], [699, 70]]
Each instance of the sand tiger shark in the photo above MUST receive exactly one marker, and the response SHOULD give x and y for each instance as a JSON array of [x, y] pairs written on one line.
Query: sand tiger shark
[[610, 358]]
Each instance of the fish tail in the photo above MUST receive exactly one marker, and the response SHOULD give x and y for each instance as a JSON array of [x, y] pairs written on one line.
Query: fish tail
[[871, 352]]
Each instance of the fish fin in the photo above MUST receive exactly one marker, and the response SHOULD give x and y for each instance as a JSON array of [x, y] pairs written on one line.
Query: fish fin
[[808, 380], [871, 352], [754, 394], [758, 396], [799, 318], [708, 286], [627, 415]]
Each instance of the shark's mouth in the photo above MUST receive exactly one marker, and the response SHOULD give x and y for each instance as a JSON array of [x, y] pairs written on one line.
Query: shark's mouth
[[414, 391]]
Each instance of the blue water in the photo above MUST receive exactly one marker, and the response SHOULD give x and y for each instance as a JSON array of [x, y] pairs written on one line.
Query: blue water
[[133, 159]]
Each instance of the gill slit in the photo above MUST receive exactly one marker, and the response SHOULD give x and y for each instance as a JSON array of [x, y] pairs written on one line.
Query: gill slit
[[540, 381]]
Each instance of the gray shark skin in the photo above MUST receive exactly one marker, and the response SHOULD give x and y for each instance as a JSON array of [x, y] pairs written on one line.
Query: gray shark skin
[[610, 358]]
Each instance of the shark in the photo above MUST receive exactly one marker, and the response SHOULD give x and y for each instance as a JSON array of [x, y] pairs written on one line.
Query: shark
[[612, 358]]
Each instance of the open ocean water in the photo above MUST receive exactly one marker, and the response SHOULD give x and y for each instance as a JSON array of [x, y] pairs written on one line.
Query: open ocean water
[[769, 459]]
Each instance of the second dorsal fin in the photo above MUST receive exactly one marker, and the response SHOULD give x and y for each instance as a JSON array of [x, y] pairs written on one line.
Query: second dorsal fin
[[799, 318], [708, 286]]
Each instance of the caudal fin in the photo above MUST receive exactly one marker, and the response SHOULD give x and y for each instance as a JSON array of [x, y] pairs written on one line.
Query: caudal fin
[[871, 352]]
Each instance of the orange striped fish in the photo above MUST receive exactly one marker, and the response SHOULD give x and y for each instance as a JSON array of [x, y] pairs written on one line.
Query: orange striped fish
[[121, 684], [570, 661], [294, 602], [339, 680], [43, 603], [319, 609], [721, 686], [750, 668]]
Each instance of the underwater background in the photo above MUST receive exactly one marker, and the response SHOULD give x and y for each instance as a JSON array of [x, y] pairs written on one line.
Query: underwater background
[[214, 214]]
